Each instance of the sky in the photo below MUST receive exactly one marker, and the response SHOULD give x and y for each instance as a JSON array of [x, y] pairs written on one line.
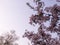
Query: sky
[[14, 15]]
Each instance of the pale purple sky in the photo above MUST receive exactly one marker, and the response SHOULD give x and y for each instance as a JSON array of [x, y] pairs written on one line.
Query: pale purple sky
[[14, 15]]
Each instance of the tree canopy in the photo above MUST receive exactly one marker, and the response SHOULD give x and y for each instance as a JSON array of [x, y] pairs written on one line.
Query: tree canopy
[[9, 38], [42, 37]]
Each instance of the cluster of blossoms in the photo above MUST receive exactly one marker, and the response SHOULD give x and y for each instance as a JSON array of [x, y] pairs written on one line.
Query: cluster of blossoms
[[9, 38], [53, 16]]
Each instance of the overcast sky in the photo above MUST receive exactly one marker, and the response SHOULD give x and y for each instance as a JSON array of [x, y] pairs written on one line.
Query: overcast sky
[[14, 15]]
